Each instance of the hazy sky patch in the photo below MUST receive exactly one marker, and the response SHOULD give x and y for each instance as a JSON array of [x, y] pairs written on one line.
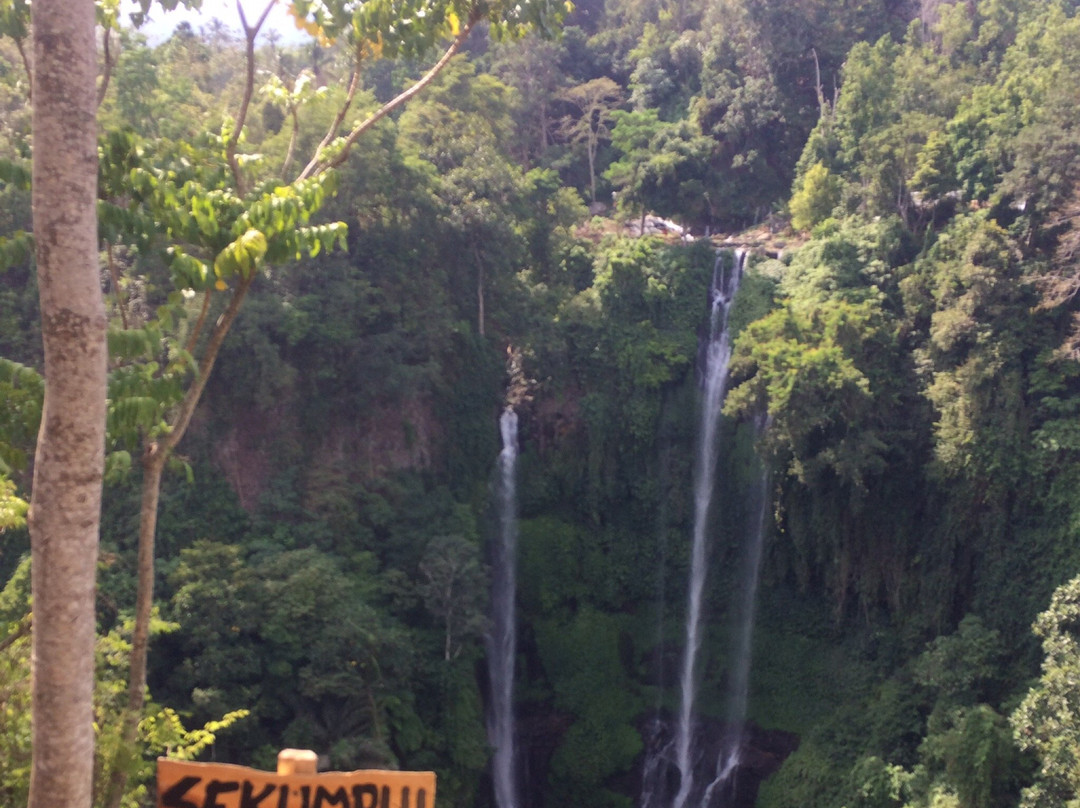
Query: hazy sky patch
[[161, 24]]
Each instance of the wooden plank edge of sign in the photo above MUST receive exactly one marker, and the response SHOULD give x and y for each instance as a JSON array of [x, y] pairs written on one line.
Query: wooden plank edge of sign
[[184, 784]]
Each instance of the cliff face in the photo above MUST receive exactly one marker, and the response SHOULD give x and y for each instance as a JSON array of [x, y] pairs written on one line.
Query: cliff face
[[246, 452], [398, 436], [554, 418], [389, 437]]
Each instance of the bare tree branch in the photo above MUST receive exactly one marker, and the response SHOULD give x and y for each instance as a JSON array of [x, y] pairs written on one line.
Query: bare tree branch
[[21, 630], [331, 133], [287, 163], [206, 365], [250, 33], [114, 276], [318, 165], [26, 67], [193, 338], [106, 74]]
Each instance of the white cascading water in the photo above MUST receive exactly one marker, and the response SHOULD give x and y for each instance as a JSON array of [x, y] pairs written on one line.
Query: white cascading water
[[502, 641], [717, 357], [739, 678]]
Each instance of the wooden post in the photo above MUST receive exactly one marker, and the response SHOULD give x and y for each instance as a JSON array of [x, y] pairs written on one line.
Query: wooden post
[[297, 761]]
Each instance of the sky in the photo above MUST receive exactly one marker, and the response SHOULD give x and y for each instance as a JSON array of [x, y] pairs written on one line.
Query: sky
[[161, 24]]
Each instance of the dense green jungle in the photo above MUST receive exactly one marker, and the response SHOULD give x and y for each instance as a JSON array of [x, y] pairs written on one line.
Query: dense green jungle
[[904, 176]]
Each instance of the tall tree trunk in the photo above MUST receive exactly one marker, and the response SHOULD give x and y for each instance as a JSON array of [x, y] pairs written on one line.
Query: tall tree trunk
[[543, 128], [480, 316], [590, 148], [65, 506]]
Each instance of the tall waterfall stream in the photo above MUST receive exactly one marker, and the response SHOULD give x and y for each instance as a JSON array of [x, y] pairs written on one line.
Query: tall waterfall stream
[[718, 355], [677, 773], [502, 640]]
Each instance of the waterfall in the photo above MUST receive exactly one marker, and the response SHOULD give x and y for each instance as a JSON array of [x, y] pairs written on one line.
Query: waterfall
[[731, 750], [718, 354], [670, 752], [502, 641], [691, 763]]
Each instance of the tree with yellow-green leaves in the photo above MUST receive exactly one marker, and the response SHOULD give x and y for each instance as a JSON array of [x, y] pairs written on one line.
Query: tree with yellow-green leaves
[[595, 102]]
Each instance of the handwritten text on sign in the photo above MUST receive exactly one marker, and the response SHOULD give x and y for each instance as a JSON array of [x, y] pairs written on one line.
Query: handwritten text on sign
[[219, 785]]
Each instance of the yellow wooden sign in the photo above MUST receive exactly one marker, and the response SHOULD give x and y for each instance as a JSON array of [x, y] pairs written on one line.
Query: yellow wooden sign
[[220, 785]]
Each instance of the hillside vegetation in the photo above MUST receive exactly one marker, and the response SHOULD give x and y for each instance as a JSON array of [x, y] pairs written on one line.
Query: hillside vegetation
[[909, 324]]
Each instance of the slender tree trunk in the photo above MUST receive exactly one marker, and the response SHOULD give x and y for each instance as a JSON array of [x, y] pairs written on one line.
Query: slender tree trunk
[[285, 166], [65, 506], [591, 149], [480, 301], [154, 460], [480, 316], [153, 465], [543, 128]]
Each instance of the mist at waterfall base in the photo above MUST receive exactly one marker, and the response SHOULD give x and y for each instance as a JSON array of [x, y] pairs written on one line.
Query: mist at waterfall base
[[502, 639], [691, 762]]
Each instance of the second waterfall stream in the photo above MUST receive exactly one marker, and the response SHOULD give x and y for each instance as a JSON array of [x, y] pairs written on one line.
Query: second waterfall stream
[[725, 284], [676, 772]]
